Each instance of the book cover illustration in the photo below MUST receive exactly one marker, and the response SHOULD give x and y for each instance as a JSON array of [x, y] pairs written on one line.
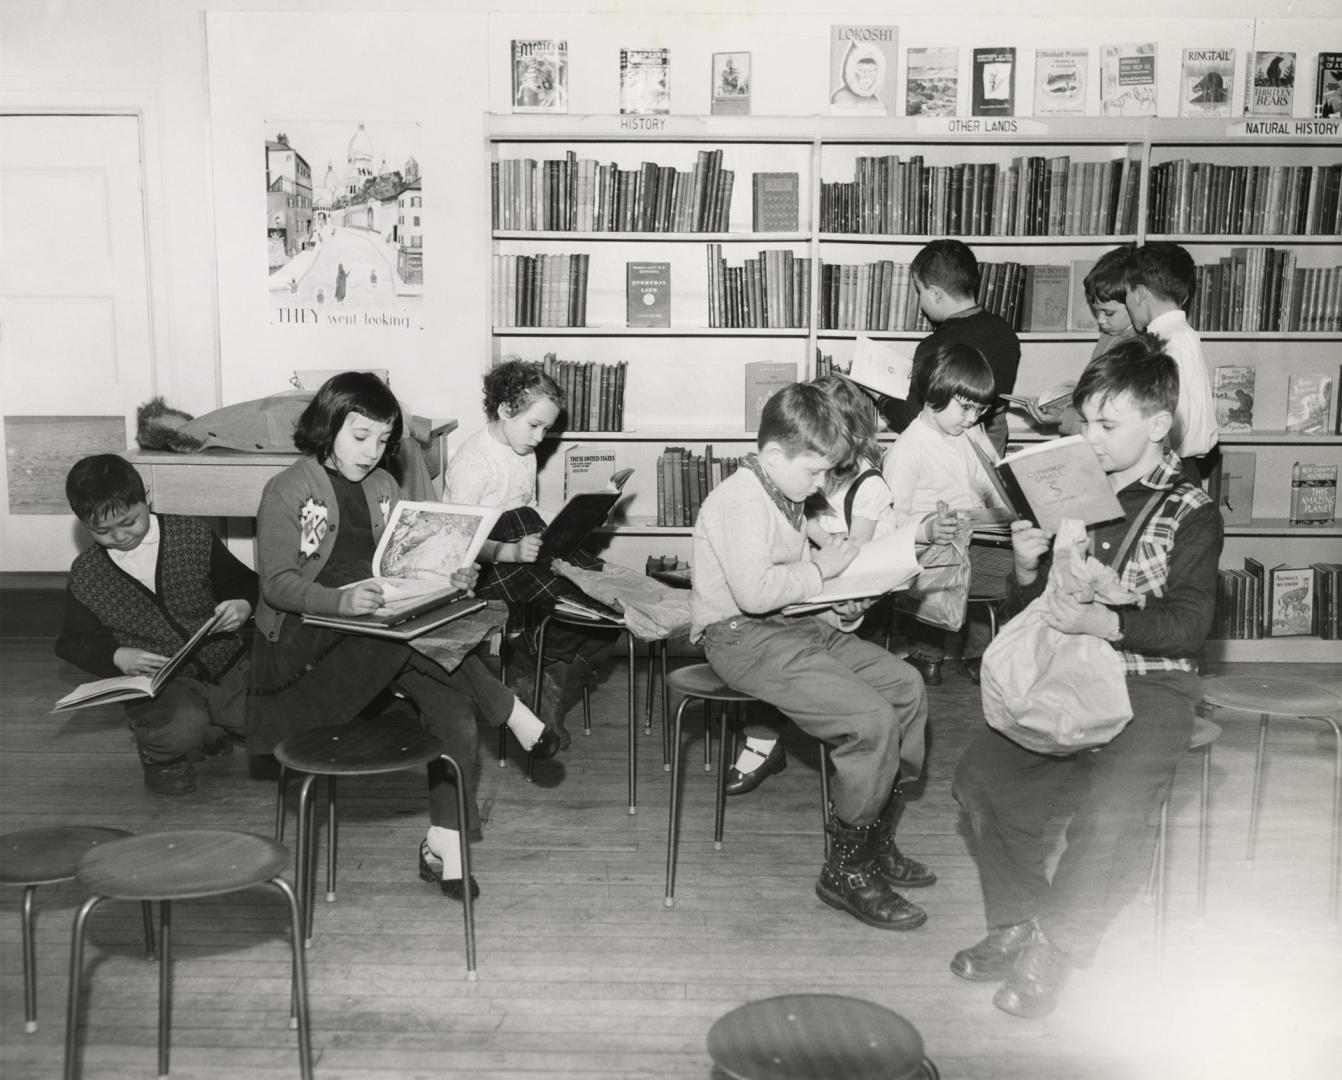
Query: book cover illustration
[[1047, 289], [1313, 494], [1269, 89], [1291, 590], [1328, 85], [540, 76], [763, 379], [932, 79], [862, 62], [1128, 80], [1056, 479], [1234, 488], [1079, 315], [994, 82], [731, 84], [1060, 81], [774, 201], [648, 293], [645, 81], [1232, 392], [1309, 404], [1206, 81]]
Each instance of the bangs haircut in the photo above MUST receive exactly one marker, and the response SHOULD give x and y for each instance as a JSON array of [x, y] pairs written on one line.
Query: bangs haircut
[[1166, 269], [955, 371], [1108, 278], [350, 391], [950, 265], [803, 419], [516, 384], [103, 486], [1136, 367]]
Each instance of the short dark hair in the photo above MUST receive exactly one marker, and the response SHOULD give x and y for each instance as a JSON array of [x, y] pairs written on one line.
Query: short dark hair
[[1137, 367], [804, 419], [351, 391], [1108, 278], [954, 370], [516, 384], [103, 486], [1166, 269], [950, 265]]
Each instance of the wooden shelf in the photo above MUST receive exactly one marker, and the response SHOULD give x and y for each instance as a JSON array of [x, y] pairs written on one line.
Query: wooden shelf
[[1277, 438], [655, 237], [656, 434], [650, 331], [1283, 527], [976, 240]]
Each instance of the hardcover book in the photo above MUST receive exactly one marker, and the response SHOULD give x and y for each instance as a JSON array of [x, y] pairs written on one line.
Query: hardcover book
[[1056, 479], [645, 80], [580, 515], [1309, 404], [881, 367], [731, 84], [1079, 315], [1206, 81], [1234, 487], [648, 293], [774, 201], [1328, 85], [540, 76], [1128, 80], [1047, 289], [1290, 601], [862, 62], [1232, 392], [883, 564], [994, 82], [1313, 494], [764, 378], [1060, 82], [932, 78], [1269, 88], [587, 468]]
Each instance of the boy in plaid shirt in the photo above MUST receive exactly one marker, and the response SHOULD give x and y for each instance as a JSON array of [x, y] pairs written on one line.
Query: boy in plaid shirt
[[1038, 927]]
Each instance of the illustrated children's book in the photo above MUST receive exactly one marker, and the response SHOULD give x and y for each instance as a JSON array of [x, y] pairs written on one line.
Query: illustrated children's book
[[645, 80], [1060, 478], [1328, 85], [1060, 82], [731, 84], [1309, 404], [1232, 391], [862, 63], [1290, 599], [883, 565], [133, 687], [540, 76], [1269, 87], [1206, 81], [994, 82], [584, 512], [1128, 80], [932, 78]]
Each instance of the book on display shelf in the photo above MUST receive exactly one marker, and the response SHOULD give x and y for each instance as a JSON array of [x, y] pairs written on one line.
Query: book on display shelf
[[648, 293], [1328, 85], [774, 201], [730, 94], [1309, 403], [931, 81], [645, 81], [1290, 601], [540, 75], [1269, 85], [763, 379], [862, 67], [1128, 79], [1313, 494], [1233, 394], [1206, 82], [994, 82], [1060, 82]]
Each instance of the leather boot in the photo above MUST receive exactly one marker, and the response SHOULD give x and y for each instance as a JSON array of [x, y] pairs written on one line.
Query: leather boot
[[850, 881], [1036, 978], [891, 864]]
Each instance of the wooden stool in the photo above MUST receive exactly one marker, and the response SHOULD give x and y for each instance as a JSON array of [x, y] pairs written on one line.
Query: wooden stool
[[699, 682], [1296, 699], [817, 1037], [183, 865], [359, 750], [48, 857]]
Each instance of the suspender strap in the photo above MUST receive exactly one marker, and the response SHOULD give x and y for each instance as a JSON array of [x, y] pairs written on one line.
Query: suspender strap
[[858, 481]]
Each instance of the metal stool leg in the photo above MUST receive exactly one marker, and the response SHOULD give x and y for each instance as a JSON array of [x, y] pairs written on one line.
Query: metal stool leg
[[332, 840], [305, 862], [1204, 829], [726, 736], [1162, 831], [1256, 805], [147, 913], [536, 687], [299, 994], [673, 819], [29, 963], [164, 983], [1335, 857], [76, 977], [280, 790], [467, 902], [666, 710], [633, 723], [826, 813]]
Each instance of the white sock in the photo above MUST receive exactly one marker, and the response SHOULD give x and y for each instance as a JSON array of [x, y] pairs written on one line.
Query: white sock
[[754, 752], [446, 844], [525, 725]]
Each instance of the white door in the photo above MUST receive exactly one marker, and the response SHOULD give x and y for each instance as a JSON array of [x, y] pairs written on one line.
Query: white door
[[76, 350]]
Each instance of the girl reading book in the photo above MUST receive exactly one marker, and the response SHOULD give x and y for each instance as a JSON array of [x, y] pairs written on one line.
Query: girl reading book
[[317, 528]]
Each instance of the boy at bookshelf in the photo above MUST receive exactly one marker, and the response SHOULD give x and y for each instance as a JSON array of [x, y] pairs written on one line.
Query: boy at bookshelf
[[1040, 926], [946, 275], [751, 558], [1160, 278], [134, 597]]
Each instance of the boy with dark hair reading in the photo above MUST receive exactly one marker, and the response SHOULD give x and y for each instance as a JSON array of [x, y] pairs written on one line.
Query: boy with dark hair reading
[[132, 600], [751, 558], [1039, 926]]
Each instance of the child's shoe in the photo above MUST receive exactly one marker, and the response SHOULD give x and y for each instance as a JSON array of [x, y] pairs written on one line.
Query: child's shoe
[[175, 777], [928, 668]]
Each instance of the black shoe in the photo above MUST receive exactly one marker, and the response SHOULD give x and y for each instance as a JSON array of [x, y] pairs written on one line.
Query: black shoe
[[170, 777], [899, 869], [971, 668], [547, 746], [991, 959], [217, 747], [1035, 981], [741, 783], [850, 882], [930, 670], [451, 887]]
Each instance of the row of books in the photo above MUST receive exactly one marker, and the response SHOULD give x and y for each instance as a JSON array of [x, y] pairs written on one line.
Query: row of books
[[1034, 196], [772, 290], [593, 393], [583, 195], [1281, 601], [684, 480], [1204, 198], [1263, 289], [1313, 490], [540, 290], [1309, 400]]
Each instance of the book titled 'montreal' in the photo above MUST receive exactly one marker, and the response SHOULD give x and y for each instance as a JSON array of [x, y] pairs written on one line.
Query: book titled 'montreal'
[[774, 197], [648, 293]]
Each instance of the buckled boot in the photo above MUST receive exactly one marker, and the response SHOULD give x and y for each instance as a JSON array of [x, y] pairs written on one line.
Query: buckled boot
[[891, 864], [851, 882]]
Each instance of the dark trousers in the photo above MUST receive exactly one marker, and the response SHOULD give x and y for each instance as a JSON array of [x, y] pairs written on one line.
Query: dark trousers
[[1014, 797], [189, 713]]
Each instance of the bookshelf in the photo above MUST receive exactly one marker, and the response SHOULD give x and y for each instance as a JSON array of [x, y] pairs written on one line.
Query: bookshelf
[[1098, 182]]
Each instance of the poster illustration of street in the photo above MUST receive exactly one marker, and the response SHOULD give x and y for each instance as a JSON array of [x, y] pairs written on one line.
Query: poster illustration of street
[[344, 234]]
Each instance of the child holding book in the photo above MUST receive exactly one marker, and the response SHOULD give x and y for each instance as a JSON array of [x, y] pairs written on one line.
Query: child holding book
[[751, 558], [132, 600], [1040, 925], [317, 529]]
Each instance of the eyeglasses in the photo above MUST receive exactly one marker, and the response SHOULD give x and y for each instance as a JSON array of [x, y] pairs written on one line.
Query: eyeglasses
[[971, 406]]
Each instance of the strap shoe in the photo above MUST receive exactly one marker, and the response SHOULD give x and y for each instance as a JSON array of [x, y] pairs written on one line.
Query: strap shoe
[[742, 783], [431, 869]]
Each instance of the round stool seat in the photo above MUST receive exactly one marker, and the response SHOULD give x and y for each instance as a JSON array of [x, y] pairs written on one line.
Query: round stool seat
[[1204, 733], [181, 865], [817, 1037], [1276, 697], [358, 750], [50, 855], [701, 681]]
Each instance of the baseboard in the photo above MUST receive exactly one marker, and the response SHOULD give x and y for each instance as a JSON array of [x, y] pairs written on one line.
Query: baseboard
[[33, 580]]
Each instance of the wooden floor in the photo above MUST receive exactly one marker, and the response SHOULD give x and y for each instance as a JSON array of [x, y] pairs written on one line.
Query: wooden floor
[[584, 972]]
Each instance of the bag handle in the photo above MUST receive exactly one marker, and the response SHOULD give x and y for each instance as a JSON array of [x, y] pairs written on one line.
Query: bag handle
[[858, 481]]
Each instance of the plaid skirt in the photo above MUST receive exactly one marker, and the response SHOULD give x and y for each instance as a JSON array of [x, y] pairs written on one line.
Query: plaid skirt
[[527, 583]]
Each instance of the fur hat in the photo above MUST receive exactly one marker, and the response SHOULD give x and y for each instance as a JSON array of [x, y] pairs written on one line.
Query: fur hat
[[158, 427]]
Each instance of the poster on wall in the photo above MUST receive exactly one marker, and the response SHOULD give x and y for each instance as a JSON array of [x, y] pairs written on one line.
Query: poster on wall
[[344, 223], [862, 63]]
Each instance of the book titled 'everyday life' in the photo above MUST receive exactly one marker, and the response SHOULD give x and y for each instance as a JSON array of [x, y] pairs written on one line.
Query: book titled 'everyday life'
[[648, 293]]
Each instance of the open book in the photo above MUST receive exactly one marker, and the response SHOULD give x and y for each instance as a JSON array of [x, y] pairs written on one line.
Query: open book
[[131, 687], [423, 545], [1060, 478], [1049, 399], [884, 564], [881, 367], [584, 512]]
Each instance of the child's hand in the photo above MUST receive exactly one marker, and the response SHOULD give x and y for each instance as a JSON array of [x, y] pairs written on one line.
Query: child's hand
[[529, 548], [361, 599], [848, 610], [1028, 546], [138, 661], [941, 527], [235, 612], [834, 557], [1068, 615], [465, 578]]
